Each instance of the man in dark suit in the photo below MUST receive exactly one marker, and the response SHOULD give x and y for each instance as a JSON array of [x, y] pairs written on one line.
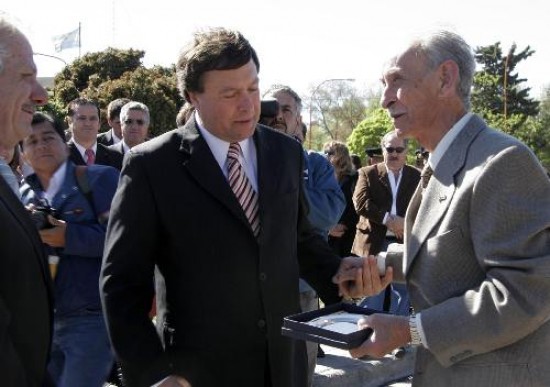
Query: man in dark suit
[[25, 284], [135, 119], [83, 118], [381, 197], [226, 265], [114, 134]]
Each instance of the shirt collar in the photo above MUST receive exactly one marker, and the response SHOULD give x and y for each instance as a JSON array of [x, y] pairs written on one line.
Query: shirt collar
[[446, 141], [116, 139], [82, 150], [56, 181], [220, 147]]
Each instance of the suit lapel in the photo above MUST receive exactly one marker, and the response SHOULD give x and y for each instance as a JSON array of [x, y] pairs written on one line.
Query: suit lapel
[[201, 164], [435, 200], [76, 157], [68, 189], [14, 206], [384, 178]]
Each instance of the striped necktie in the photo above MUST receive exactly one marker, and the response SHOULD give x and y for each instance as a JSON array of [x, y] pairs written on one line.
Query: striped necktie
[[90, 156], [242, 188]]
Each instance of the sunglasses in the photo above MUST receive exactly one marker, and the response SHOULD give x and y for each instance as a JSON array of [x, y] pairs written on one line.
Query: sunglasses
[[391, 149], [131, 121]]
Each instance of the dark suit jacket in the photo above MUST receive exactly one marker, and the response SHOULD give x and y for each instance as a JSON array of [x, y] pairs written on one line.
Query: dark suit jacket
[[106, 138], [26, 309], [119, 150], [221, 293], [373, 199], [104, 156]]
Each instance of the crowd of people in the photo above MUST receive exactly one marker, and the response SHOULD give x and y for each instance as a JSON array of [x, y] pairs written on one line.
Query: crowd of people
[[226, 224]]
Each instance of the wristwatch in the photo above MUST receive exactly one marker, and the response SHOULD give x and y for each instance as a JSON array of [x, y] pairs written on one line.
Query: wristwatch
[[415, 336]]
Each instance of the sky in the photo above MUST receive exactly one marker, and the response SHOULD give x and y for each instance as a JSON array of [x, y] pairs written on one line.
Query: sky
[[300, 43]]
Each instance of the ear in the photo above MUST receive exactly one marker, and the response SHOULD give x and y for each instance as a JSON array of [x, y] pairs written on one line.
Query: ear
[[191, 97], [448, 78]]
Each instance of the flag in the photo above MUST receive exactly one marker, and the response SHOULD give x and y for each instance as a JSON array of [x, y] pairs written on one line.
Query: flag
[[68, 40]]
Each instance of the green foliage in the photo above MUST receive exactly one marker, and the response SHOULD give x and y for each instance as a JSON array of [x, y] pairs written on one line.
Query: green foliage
[[369, 132], [498, 90], [111, 74]]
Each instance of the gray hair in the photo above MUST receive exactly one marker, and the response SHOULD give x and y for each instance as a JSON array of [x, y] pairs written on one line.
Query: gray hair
[[276, 89], [134, 105], [439, 46], [392, 133], [7, 30]]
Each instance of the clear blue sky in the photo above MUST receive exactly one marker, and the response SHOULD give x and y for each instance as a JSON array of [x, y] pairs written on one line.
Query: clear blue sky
[[300, 42]]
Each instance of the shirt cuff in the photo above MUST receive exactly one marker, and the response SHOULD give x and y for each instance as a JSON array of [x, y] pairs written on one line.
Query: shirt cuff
[[420, 330], [381, 263]]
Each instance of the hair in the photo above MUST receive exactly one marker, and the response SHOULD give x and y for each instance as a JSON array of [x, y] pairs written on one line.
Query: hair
[[356, 161], [114, 107], [75, 103], [40, 117], [185, 112], [276, 89], [392, 133], [338, 155], [7, 31], [213, 49], [134, 105], [439, 46]]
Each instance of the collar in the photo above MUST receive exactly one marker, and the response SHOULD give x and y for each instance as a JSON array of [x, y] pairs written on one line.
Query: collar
[[447, 140], [56, 181], [82, 150], [219, 149], [115, 138]]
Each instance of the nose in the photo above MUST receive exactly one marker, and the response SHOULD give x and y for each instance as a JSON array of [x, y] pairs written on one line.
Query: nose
[[387, 97], [39, 94], [247, 102]]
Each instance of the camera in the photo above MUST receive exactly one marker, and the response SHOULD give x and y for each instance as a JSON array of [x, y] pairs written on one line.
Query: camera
[[269, 108], [39, 216]]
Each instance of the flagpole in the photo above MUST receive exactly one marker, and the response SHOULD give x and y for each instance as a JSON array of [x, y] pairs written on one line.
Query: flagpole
[[79, 40]]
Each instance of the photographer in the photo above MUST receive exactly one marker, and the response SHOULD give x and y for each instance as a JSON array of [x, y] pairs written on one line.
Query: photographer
[[70, 206]]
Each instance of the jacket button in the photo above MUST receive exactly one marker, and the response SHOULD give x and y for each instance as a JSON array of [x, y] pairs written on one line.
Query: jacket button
[[263, 277], [261, 323]]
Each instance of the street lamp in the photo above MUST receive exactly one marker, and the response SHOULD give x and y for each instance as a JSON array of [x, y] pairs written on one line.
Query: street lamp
[[51, 56], [315, 89]]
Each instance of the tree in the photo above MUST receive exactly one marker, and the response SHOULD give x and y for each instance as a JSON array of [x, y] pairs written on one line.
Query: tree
[[113, 73], [369, 132], [335, 108], [498, 90]]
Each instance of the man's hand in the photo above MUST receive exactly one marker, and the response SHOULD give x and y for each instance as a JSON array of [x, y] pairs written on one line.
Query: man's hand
[[338, 230], [358, 277], [55, 236], [396, 224], [174, 381], [389, 332]]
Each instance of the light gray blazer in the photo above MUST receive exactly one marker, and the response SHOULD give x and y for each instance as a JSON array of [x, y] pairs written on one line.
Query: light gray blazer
[[477, 264]]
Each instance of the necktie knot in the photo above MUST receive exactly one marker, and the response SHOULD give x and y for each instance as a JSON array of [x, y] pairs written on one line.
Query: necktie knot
[[90, 156], [234, 151], [426, 175]]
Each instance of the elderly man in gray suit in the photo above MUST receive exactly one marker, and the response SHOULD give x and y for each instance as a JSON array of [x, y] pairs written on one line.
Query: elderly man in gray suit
[[476, 253]]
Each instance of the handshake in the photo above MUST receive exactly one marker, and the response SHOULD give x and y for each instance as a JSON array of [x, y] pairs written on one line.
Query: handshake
[[359, 277]]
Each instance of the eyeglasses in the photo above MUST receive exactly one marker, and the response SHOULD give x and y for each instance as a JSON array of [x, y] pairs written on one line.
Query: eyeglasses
[[391, 149], [130, 121]]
